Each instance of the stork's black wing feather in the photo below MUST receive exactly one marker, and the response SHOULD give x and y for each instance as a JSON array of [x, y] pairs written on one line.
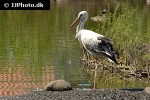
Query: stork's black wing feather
[[104, 47], [108, 48]]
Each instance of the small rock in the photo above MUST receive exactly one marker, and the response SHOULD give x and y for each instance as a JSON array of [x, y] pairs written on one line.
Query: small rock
[[147, 89], [58, 85], [99, 18], [96, 18]]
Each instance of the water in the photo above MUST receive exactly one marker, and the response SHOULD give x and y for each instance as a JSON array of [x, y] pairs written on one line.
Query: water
[[37, 47]]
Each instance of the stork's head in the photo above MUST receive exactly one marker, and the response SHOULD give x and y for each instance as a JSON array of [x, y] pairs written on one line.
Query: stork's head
[[82, 17]]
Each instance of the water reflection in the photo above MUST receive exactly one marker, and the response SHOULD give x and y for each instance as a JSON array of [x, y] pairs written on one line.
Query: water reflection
[[18, 80]]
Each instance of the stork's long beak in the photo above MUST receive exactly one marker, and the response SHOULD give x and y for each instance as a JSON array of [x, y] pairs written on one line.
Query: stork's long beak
[[74, 22]]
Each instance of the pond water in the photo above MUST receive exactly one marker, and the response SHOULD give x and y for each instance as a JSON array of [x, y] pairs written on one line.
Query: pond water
[[37, 47]]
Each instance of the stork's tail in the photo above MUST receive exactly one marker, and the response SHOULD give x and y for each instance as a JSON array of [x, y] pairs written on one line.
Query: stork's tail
[[112, 59], [109, 53]]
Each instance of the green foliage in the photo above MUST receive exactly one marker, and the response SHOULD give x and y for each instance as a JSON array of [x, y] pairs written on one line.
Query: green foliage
[[120, 24]]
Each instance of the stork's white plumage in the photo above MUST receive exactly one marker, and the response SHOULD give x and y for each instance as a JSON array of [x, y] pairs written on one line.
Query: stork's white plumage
[[96, 44]]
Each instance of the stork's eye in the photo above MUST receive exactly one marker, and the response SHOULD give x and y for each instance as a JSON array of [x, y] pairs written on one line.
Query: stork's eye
[[81, 15]]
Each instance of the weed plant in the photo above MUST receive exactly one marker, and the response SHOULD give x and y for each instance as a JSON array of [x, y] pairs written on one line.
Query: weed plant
[[130, 43]]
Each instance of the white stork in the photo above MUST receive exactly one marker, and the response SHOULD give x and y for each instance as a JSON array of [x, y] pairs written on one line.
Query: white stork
[[96, 44]]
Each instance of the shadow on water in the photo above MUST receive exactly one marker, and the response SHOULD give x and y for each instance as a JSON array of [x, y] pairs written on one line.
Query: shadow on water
[[36, 47], [134, 89]]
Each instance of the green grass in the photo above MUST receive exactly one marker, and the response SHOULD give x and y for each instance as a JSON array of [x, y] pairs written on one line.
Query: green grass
[[122, 25]]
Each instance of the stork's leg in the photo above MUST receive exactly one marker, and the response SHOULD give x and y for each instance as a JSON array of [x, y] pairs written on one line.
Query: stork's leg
[[94, 87], [85, 56]]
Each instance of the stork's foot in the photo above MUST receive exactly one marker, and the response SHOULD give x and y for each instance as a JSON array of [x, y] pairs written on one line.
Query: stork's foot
[[94, 88]]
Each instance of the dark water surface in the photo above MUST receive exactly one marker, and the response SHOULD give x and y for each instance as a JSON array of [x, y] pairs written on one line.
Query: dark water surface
[[37, 47]]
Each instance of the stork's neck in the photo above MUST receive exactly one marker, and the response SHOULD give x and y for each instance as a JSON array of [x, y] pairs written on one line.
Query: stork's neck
[[80, 26]]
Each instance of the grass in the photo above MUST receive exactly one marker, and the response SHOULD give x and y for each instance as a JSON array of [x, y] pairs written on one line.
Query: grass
[[130, 41], [120, 26]]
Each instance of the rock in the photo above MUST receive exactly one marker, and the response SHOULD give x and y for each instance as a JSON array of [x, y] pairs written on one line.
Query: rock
[[58, 85], [96, 18], [147, 89], [99, 18]]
